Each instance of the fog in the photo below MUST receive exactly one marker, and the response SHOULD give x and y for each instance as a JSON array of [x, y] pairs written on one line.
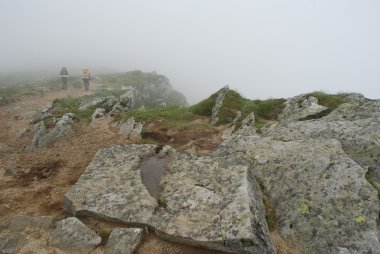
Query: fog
[[262, 48]]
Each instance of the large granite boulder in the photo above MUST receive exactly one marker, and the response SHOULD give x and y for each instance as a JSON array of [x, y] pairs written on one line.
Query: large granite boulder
[[319, 175], [203, 202], [302, 107], [320, 195], [111, 186]]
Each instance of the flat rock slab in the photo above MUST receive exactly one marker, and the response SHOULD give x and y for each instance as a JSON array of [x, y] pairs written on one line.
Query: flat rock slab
[[203, 203], [124, 240], [73, 236], [111, 186]]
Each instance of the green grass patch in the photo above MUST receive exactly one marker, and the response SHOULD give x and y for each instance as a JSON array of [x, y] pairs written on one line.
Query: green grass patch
[[332, 101], [71, 105], [172, 113], [131, 78], [264, 110]]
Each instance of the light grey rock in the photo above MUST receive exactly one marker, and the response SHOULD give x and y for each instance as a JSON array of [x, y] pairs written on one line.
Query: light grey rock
[[213, 205], [55, 134], [40, 117], [247, 126], [167, 151], [102, 102], [130, 94], [120, 106], [66, 119], [119, 192], [47, 108], [192, 152], [98, 113], [72, 235], [131, 129], [218, 104], [321, 196], [61, 130], [40, 131], [124, 240], [203, 203], [249, 121], [354, 124], [25, 131], [238, 116], [302, 107]]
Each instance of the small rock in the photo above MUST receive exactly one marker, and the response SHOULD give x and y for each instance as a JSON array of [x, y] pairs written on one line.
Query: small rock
[[98, 113], [72, 235], [39, 133], [66, 119], [192, 152], [11, 171], [124, 240], [131, 129], [47, 108]]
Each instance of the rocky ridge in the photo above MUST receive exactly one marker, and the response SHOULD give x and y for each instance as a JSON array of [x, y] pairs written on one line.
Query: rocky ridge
[[317, 169], [311, 166]]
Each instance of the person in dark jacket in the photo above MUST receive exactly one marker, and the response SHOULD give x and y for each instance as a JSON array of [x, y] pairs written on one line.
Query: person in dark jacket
[[86, 77], [64, 74]]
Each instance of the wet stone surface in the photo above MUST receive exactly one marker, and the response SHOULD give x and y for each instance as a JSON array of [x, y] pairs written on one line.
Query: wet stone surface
[[152, 169]]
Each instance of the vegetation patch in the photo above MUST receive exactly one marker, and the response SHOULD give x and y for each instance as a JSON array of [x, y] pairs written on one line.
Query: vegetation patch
[[270, 212], [174, 114], [360, 219], [131, 78], [331, 101], [304, 207], [264, 110]]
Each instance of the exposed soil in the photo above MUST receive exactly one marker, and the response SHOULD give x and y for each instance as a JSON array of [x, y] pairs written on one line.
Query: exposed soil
[[45, 174]]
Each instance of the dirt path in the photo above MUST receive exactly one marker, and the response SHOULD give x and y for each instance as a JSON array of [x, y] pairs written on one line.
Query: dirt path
[[47, 173]]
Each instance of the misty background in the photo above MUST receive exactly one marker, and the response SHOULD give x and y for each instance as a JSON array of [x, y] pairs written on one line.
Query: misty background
[[262, 48]]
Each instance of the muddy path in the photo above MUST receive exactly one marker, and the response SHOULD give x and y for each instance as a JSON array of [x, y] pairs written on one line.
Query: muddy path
[[45, 174]]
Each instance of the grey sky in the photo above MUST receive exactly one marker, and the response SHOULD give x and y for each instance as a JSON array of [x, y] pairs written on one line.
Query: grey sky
[[262, 48]]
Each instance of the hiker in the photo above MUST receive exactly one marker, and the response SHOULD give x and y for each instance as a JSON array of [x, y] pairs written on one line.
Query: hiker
[[86, 76], [64, 74]]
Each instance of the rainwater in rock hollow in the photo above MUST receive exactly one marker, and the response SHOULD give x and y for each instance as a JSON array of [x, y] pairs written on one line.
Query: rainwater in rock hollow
[[152, 169]]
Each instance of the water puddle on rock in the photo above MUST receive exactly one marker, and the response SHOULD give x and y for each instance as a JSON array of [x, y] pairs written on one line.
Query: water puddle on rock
[[152, 169]]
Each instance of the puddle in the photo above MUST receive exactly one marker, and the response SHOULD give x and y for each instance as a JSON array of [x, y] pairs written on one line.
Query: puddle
[[152, 169]]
